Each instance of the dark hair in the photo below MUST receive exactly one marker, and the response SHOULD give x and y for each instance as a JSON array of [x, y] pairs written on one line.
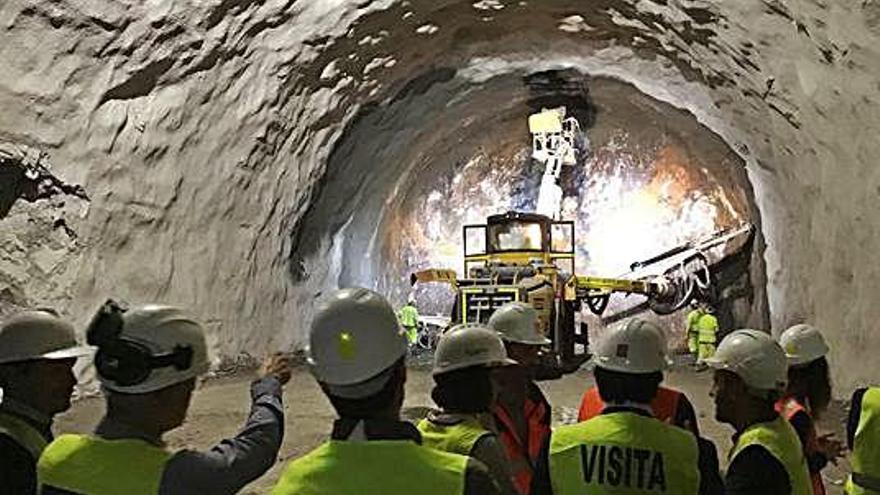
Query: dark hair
[[615, 386], [468, 390], [381, 401], [811, 383]]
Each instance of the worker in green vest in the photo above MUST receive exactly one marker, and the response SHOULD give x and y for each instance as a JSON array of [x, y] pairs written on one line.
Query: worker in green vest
[[37, 353], [702, 333], [750, 377], [863, 437], [464, 361], [692, 333], [357, 354], [409, 320], [148, 360], [626, 450]]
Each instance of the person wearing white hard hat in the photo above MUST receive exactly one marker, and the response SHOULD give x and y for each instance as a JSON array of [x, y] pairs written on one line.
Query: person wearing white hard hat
[[626, 449], [668, 405], [357, 353], [148, 360], [409, 319], [807, 397], [37, 353], [522, 413], [750, 376], [464, 362]]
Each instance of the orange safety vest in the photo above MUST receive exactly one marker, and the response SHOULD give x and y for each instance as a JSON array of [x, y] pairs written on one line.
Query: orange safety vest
[[789, 407], [664, 405], [524, 456]]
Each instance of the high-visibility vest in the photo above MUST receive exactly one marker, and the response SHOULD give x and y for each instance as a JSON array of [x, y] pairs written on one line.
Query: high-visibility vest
[[386, 467], [22, 433], [458, 438], [95, 466], [524, 454], [707, 328], [408, 316], [623, 453], [779, 438], [789, 407], [664, 406], [865, 458]]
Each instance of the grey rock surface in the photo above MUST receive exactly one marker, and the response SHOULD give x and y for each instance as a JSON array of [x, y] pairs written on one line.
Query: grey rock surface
[[201, 130]]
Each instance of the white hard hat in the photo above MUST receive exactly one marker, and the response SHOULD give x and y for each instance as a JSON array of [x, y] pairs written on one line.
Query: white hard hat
[[803, 344], [753, 356], [353, 339], [38, 335], [637, 347], [156, 347], [468, 345], [518, 322]]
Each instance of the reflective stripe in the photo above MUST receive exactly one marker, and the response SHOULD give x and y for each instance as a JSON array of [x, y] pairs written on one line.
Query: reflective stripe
[[781, 441], [623, 453], [94, 466], [865, 459], [381, 467], [664, 405], [22, 433]]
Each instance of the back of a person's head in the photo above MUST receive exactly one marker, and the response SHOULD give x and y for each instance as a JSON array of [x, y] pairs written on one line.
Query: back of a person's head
[[386, 401], [619, 387], [466, 391]]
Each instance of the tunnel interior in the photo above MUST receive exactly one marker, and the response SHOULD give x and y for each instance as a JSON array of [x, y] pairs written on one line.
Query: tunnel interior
[[243, 158], [407, 175]]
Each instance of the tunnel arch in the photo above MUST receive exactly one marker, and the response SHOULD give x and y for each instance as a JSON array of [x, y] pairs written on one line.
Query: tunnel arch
[[201, 133]]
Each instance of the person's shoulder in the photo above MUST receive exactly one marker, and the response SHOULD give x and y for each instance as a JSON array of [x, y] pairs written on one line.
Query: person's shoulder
[[756, 458]]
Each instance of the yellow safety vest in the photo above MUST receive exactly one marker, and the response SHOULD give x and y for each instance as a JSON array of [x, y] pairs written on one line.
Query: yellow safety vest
[[780, 439], [23, 434], [408, 316], [707, 328], [623, 453], [865, 459], [386, 467], [458, 438], [94, 466]]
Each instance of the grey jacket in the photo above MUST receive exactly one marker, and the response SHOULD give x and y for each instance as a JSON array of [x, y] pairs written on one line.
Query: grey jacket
[[228, 466]]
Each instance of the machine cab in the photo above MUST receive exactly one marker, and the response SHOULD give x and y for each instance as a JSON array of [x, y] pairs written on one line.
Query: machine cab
[[515, 239]]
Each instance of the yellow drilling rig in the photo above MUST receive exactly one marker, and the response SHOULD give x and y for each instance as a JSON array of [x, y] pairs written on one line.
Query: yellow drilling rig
[[530, 257]]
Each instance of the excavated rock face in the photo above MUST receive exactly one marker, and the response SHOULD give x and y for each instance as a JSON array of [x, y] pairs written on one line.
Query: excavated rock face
[[209, 136]]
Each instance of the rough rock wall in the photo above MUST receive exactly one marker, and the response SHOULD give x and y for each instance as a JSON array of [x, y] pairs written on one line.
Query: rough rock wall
[[199, 130]]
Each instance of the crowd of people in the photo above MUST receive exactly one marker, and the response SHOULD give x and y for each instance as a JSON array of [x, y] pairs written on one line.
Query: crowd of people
[[489, 434]]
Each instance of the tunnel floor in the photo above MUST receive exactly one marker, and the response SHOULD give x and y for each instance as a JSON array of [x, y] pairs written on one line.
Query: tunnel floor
[[220, 405]]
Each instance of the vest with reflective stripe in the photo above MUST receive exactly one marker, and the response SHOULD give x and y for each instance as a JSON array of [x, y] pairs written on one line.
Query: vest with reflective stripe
[[524, 456], [664, 406], [458, 438], [623, 453], [707, 327], [94, 466], [23, 434], [789, 407], [780, 439], [865, 459], [386, 467]]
